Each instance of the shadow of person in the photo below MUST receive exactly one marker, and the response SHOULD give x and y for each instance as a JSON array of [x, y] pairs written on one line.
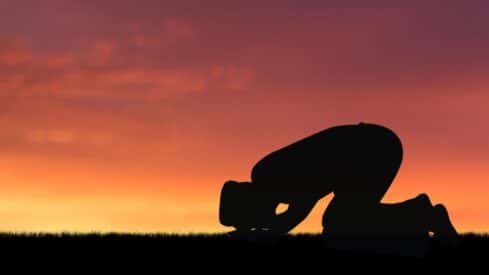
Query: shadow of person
[[358, 164]]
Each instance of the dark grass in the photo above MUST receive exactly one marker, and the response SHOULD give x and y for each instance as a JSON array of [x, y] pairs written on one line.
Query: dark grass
[[470, 243], [217, 250]]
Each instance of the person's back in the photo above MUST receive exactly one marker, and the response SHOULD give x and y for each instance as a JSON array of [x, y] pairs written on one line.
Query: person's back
[[339, 158], [301, 167]]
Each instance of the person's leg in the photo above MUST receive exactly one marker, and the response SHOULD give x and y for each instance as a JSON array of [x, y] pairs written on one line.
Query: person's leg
[[370, 160], [411, 218], [398, 229], [342, 218], [420, 214], [414, 217], [441, 225]]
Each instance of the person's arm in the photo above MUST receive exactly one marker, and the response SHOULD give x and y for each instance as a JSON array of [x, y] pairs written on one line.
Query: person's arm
[[296, 212]]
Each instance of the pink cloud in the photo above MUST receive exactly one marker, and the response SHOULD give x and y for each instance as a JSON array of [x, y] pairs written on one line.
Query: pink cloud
[[68, 137], [65, 74], [177, 28], [103, 51], [14, 53]]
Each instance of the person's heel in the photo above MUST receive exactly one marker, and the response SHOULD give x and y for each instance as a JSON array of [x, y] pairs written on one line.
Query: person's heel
[[443, 229]]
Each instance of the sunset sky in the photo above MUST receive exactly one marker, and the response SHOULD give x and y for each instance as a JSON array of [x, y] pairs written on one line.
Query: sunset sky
[[121, 115]]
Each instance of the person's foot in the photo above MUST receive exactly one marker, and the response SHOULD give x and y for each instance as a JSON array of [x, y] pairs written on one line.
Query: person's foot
[[443, 227], [422, 203], [424, 200]]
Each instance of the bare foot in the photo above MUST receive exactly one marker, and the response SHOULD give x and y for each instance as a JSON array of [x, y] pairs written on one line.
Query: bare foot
[[443, 227], [424, 199]]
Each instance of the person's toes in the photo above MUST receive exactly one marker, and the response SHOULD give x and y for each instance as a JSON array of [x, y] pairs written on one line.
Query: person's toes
[[446, 232], [442, 213], [424, 199]]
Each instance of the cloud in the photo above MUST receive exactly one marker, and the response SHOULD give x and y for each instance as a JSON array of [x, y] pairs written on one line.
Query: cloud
[[232, 78], [51, 136], [178, 29], [68, 137], [103, 51], [12, 56], [126, 83], [291, 44]]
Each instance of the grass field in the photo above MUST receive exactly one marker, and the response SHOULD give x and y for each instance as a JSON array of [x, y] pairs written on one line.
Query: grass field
[[218, 246], [210, 254]]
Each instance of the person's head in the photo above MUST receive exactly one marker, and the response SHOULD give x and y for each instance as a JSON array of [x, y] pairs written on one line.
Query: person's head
[[243, 206]]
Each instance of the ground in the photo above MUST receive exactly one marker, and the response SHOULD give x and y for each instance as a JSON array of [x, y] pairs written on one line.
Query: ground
[[217, 250]]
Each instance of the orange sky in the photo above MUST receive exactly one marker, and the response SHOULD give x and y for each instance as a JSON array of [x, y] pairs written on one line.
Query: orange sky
[[130, 115]]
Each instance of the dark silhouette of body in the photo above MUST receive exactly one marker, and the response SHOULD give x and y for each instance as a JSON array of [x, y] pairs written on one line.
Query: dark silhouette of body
[[357, 163]]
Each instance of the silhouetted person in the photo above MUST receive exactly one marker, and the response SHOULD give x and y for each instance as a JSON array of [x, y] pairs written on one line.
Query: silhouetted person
[[356, 162]]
